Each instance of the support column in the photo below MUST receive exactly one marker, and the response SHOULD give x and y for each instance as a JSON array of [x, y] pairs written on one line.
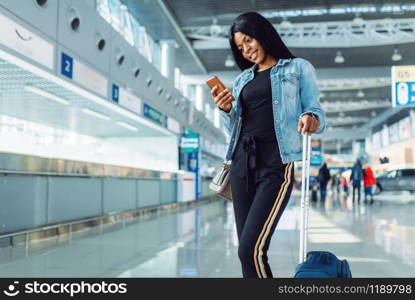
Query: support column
[[359, 149], [339, 146], [199, 97], [168, 58]]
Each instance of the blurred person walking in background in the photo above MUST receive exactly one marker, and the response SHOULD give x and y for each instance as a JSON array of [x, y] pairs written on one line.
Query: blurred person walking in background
[[323, 177], [345, 185], [314, 189], [356, 178], [369, 182], [335, 185]]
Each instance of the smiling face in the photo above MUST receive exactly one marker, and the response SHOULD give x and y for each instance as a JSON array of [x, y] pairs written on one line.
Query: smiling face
[[250, 48]]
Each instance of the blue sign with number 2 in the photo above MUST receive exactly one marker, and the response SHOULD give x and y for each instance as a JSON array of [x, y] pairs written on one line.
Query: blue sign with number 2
[[67, 65]]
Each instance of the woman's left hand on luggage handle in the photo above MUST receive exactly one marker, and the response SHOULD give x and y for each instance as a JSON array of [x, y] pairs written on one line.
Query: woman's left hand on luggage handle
[[307, 124]]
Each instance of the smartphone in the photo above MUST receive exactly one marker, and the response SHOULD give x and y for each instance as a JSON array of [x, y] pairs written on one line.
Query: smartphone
[[211, 82]]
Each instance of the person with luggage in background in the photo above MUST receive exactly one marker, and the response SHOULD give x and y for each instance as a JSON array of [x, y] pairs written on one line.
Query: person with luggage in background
[[314, 189], [345, 185], [274, 100], [369, 182], [323, 177], [332, 185], [335, 185], [356, 179]]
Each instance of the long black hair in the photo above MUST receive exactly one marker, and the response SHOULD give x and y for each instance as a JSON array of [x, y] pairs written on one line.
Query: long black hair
[[259, 28]]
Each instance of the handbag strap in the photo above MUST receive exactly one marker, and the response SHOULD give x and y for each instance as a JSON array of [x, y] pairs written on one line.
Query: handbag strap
[[226, 163]]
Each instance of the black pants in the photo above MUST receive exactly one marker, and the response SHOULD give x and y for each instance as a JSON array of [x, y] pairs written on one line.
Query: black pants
[[323, 190], [356, 188], [261, 188]]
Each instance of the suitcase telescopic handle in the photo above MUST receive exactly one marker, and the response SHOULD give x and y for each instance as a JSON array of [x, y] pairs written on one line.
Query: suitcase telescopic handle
[[305, 186]]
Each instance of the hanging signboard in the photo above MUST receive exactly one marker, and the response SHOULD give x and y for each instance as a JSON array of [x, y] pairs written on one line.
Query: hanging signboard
[[126, 99], [189, 144], [172, 125], [403, 86], [25, 42], [316, 157], [85, 76], [153, 114]]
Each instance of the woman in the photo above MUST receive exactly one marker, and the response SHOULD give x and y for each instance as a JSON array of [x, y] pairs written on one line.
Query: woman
[[274, 100]]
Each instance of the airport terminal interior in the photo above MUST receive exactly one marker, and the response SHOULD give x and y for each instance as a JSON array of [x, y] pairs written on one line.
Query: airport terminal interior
[[110, 137]]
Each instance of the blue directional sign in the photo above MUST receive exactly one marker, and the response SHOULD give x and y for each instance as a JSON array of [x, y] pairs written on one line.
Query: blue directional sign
[[67, 65], [115, 93], [189, 144], [403, 86], [405, 93], [316, 157]]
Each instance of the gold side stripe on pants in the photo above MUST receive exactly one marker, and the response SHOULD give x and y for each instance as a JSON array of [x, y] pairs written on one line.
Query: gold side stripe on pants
[[259, 265]]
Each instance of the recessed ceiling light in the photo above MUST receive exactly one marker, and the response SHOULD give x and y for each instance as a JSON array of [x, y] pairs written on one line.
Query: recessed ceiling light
[[360, 94], [45, 94], [339, 59], [358, 20], [396, 55], [229, 62], [96, 114], [128, 126], [286, 24], [215, 29]]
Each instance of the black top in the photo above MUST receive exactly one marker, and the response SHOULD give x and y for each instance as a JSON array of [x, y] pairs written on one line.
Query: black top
[[256, 102]]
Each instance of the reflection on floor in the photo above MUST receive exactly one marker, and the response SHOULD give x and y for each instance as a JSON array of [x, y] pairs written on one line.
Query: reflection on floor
[[377, 240]]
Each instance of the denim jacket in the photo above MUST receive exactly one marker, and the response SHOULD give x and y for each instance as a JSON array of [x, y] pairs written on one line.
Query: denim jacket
[[294, 93]]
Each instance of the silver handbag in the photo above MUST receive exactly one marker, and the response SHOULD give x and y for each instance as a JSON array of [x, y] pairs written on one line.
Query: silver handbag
[[221, 182]]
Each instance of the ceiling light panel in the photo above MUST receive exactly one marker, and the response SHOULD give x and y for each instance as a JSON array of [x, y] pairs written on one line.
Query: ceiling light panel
[[21, 90], [125, 125], [96, 114], [45, 94]]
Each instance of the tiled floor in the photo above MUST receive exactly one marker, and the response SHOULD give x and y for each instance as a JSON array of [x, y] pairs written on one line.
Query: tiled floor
[[378, 241]]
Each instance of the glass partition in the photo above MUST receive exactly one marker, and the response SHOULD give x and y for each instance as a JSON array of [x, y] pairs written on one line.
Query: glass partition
[[117, 14]]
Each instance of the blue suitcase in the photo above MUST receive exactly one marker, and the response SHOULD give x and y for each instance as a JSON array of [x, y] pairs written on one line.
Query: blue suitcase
[[322, 264], [316, 264]]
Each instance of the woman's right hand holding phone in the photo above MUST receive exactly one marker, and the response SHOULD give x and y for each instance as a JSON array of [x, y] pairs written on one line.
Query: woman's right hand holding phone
[[223, 99]]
